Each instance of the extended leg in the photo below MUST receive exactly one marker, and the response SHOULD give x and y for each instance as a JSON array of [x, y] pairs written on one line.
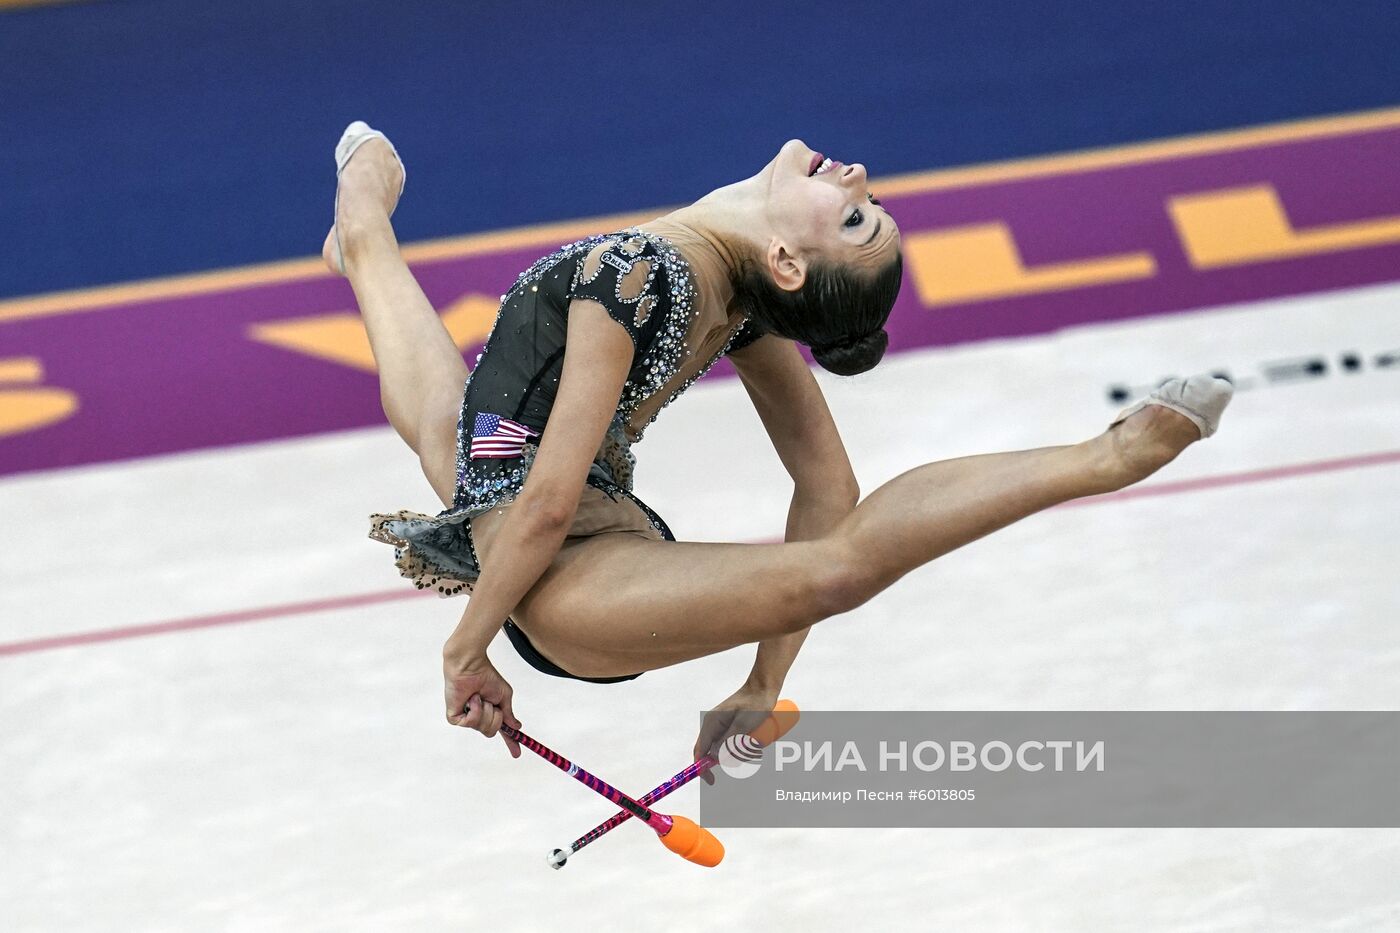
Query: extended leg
[[421, 372], [618, 603]]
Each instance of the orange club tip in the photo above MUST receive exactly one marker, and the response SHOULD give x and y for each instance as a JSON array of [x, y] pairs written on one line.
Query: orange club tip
[[778, 723], [693, 842]]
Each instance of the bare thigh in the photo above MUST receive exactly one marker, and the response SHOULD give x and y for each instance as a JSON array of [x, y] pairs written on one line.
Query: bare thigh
[[437, 454], [421, 372], [619, 603]]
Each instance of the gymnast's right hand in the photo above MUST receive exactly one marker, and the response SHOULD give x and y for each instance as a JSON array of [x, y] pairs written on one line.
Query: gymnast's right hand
[[478, 697]]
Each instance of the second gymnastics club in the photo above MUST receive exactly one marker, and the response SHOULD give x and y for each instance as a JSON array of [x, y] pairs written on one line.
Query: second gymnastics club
[[737, 749], [686, 838]]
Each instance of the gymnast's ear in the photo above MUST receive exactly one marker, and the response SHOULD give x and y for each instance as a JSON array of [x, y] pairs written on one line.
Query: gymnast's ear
[[788, 270]]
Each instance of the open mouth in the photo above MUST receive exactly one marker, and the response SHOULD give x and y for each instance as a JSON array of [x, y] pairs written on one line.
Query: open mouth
[[821, 165]]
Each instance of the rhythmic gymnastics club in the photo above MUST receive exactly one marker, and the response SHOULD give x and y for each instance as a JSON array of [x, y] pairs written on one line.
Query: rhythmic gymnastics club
[[735, 749], [686, 838]]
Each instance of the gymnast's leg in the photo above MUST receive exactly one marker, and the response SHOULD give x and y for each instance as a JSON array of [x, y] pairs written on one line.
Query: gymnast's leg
[[421, 372], [618, 603]]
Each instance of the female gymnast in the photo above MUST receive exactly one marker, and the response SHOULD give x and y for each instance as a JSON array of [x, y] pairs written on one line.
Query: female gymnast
[[532, 459]]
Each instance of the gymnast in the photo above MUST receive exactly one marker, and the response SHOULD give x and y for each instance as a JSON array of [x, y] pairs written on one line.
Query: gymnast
[[530, 450]]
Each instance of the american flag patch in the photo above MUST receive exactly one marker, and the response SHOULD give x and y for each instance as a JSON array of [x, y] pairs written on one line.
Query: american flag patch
[[494, 436]]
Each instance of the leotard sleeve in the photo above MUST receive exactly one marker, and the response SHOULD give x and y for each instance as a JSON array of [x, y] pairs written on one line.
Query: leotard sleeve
[[626, 276]]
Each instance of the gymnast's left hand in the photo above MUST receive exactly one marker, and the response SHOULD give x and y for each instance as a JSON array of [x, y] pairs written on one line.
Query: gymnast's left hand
[[743, 711], [478, 697]]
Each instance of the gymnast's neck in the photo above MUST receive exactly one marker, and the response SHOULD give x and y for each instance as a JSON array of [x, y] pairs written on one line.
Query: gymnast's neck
[[717, 235]]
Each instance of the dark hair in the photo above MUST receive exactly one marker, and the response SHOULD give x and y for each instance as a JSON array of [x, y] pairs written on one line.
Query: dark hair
[[838, 312]]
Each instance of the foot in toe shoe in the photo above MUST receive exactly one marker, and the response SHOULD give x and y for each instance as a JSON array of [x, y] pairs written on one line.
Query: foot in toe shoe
[[373, 182], [1201, 399], [355, 136]]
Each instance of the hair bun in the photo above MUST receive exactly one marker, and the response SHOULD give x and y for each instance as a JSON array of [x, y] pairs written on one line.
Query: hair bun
[[853, 356]]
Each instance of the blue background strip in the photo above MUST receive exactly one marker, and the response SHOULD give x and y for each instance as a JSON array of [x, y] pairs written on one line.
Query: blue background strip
[[151, 137]]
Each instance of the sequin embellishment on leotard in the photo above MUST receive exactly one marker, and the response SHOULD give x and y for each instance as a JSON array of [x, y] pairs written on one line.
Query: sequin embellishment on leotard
[[659, 362], [648, 288]]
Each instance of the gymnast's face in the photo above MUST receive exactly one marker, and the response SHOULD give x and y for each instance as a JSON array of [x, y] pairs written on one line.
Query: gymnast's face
[[821, 208]]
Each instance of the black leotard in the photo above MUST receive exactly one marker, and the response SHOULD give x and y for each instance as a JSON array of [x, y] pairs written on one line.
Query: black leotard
[[647, 287]]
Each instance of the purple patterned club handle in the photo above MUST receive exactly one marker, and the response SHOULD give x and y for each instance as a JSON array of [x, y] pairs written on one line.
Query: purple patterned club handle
[[661, 790], [657, 821], [784, 716]]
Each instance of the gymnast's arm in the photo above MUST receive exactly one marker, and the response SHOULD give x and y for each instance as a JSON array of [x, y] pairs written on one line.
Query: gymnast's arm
[[794, 413], [596, 363]]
